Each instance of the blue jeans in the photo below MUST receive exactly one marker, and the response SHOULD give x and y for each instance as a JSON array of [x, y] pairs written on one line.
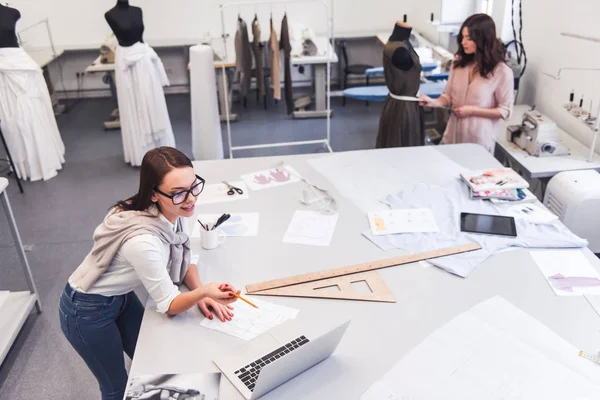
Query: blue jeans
[[100, 329]]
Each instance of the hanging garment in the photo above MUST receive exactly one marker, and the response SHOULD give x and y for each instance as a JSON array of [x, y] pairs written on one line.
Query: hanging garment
[[243, 57], [274, 47], [145, 124], [402, 122], [26, 117], [257, 48], [286, 46]]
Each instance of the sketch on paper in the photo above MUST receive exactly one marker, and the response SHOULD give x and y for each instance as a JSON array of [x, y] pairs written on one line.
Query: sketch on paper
[[174, 386]]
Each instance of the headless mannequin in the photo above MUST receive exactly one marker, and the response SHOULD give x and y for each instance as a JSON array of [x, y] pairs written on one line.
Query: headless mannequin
[[126, 23], [8, 21], [402, 58]]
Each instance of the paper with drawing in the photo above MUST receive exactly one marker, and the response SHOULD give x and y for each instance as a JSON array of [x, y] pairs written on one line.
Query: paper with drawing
[[568, 272], [249, 322], [311, 227], [240, 224], [271, 177], [402, 221]]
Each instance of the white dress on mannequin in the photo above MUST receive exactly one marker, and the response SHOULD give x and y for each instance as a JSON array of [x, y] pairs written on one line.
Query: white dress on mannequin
[[145, 123], [26, 117]]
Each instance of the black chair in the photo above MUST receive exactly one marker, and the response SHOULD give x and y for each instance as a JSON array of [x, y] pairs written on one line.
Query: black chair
[[351, 69]]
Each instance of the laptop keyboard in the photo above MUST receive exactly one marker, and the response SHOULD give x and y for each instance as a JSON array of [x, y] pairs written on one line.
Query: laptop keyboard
[[249, 374]]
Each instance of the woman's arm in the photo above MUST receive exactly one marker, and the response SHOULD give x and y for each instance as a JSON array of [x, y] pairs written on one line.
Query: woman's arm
[[144, 253], [221, 307]]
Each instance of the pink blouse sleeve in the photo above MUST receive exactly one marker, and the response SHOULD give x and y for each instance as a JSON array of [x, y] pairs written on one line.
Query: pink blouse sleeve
[[504, 93], [448, 89]]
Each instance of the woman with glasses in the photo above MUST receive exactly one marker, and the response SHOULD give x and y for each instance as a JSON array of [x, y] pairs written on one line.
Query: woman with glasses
[[142, 241]]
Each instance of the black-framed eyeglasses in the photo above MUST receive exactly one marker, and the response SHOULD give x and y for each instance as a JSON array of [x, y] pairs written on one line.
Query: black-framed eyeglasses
[[181, 197]]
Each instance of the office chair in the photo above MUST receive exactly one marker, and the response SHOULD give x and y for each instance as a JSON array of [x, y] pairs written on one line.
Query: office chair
[[351, 69]]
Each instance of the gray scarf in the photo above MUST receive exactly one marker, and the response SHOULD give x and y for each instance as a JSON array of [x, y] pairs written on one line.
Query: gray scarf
[[116, 229]]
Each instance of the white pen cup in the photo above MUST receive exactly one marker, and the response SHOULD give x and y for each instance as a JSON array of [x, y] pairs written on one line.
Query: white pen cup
[[212, 239]]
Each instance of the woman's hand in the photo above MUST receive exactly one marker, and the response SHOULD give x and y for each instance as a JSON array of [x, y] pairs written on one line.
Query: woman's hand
[[427, 101], [221, 292], [223, 311], [464, 111]]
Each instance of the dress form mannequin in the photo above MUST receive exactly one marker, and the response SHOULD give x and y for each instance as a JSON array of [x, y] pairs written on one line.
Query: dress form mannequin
[[126, 23], [401, 57], [140, 77], [8, 21], [401, 123]]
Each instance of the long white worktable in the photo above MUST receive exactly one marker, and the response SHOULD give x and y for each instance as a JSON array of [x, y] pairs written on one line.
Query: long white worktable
[[380, 333]]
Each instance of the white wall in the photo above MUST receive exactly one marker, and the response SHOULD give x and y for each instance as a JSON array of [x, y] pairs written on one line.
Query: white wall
[[80, 24], [548, 51]]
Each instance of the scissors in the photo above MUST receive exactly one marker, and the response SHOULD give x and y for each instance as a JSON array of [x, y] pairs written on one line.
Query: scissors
[[232, 189]]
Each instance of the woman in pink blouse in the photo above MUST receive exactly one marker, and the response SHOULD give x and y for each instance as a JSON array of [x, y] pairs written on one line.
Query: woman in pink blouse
[[480, 86]]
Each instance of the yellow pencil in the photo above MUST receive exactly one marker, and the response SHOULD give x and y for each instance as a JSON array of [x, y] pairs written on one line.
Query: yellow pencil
[[243, 299]]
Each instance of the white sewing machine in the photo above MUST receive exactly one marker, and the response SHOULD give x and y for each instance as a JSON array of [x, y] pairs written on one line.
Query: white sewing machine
[[538, 135]]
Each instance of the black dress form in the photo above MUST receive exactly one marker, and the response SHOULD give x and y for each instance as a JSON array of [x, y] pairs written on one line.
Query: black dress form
[[401, 57], [8, 21], [402, 122], [126, 23]]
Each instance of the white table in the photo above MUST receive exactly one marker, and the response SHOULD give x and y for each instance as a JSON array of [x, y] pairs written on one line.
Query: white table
[[16, 308], [380, 333], [542, 168]]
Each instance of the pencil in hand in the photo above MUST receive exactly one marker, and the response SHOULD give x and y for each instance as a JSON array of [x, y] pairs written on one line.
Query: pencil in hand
[[244, 300]]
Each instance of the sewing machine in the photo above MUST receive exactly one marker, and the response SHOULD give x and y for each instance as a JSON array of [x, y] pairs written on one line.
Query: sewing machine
[[537, 134]]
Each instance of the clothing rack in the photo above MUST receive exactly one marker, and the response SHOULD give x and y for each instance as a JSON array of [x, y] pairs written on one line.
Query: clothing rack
[[329, 17]]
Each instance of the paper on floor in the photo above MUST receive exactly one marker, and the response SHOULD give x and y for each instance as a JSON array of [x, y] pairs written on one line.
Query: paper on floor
[[217, 193], [271, 177], [249, 322], [492, 351], [239, 224], [568, 272], [402, 221], [311, 228]]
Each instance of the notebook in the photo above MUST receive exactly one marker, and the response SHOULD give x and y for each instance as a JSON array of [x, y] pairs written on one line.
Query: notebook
[[493, 179]]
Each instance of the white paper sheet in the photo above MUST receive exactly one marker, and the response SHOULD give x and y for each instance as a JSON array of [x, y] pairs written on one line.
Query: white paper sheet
[[273, 177], [3, 297], [249, 322], [493, 351], [402, 221], [594, 301], [311, 228], [239, 224], [531, 213], [217, 193], [174, 386], [568, 272]]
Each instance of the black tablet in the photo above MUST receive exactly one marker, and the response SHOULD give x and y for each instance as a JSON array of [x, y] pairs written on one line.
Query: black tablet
[[488, 224]]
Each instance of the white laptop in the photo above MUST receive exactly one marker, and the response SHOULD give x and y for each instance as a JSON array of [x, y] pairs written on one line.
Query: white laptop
[[273, 358]]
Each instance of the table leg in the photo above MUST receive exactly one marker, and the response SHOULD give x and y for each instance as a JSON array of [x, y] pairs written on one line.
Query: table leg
[[19, 245], [115, 123], [320, 89], [56, 106]]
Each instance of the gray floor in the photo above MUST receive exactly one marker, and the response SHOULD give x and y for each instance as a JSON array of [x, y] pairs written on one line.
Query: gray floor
[[57, 219]]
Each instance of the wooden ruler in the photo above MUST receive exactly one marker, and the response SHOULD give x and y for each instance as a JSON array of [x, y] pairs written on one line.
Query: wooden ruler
[[343, 288], [363, 267]]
